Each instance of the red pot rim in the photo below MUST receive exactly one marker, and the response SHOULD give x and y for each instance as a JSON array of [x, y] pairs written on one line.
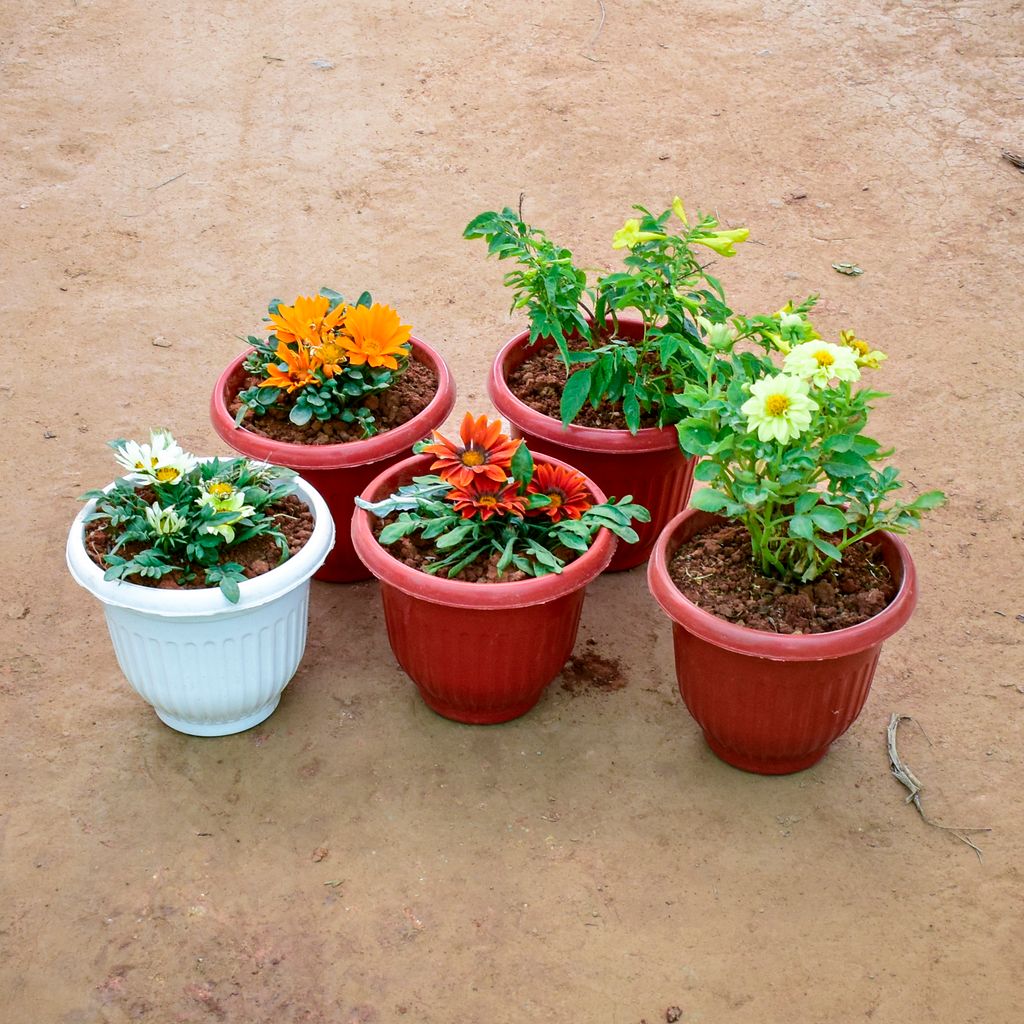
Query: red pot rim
[[458, 593], [587, 439], [345, 454], [775, 646]]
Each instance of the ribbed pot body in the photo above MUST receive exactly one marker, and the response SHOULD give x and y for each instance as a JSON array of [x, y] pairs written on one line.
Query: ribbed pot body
[[771, 703]]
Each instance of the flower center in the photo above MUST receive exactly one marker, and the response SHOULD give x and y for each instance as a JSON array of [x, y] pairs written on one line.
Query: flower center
[[824, 358], [473, 457], [555, 500], [776, 405], [221, 490], [861, 346], [487, 501], [166, 474]]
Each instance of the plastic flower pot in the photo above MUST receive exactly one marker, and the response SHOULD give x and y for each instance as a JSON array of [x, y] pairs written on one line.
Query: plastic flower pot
[[338, 471], [209, 667], [772, 703], [649, 464], [480, 653]]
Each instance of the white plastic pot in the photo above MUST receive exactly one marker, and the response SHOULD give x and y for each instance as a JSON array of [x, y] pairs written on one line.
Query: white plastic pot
[[209, 667]]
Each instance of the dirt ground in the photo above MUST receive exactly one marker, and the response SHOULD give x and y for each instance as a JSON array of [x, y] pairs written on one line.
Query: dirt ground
[[167, 168]]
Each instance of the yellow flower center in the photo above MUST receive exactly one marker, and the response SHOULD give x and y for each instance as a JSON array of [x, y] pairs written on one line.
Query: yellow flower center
[[861, 346], [487, 500], [221, 490], [166, 474], [823, 357], [555, 500], [776, 405], [473, 457]]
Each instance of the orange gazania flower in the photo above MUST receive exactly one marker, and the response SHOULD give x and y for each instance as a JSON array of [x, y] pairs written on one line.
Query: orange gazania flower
[[485, 452], [487, 497], [376, 335], [308, 320], [565, 489], [299, 369]]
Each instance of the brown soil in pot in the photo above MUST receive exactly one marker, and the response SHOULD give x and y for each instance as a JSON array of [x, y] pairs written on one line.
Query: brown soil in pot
[[406, 398], [256, 556], [538, 381], [714, 570], [417, 553]]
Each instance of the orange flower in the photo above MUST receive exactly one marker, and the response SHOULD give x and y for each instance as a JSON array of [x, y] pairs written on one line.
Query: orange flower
[[565, 488], [376, 335], [308, 320], [300, 367], [331, 356], [488, 497], [485, 452]]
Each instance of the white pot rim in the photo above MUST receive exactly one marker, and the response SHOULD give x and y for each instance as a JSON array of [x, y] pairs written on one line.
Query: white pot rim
[[208, 601]]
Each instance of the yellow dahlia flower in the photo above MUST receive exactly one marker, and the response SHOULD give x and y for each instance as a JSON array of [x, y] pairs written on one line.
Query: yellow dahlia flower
[[779, 408], [820, 362]]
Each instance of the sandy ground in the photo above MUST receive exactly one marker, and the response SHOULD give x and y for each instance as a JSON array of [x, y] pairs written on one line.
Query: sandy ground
[[168, 167]]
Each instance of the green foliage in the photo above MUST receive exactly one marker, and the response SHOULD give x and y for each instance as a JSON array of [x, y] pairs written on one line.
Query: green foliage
[[192, 522], [663, 284], [806, 496], [336, 389], [534, 543]]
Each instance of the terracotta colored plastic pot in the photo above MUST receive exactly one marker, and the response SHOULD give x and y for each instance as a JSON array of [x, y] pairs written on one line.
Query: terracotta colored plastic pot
[[771, 703], [649, 465], [338, 471], [480, 653]]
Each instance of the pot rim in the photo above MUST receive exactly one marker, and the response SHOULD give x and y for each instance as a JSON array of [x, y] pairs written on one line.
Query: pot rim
[[587, 439], [776, 646], [344, 454], [205, 602], [459, 593]]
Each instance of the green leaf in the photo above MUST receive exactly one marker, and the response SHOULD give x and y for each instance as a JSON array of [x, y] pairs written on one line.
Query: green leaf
[[828, 549], [930, 499], [229, 588], [829, 519], [631, 409], [805, 502], [522, 465], [300, 415], [694, 437], [708, 500], [577, 387], [707, 471], [801, 526]]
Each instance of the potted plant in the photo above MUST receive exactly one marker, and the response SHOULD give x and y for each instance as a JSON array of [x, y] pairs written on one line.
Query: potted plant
[[785, 577], [484, 565], [203, 569], [337, 392], [596, 378]]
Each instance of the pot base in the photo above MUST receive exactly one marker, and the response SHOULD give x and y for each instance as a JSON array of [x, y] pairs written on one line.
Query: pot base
[[220, 728], [765, 766], [486, 716]]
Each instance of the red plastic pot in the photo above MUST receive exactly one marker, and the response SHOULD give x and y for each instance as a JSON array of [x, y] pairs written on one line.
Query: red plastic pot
[[649, 464], [480, 653], [338, 471], [772, 703]]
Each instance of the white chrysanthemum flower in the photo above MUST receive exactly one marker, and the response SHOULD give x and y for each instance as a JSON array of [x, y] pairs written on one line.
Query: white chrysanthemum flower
[[163, 521], [820, 362], [779, 408], [162, 460]]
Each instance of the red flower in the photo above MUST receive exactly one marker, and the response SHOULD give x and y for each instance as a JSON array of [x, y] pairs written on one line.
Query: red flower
[[485, 453], [565, 488], [488, 497]]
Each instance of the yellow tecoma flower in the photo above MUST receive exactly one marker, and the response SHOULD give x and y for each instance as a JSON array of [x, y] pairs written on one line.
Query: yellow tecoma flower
[[630, 235], [679, 210], [723, 241]]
